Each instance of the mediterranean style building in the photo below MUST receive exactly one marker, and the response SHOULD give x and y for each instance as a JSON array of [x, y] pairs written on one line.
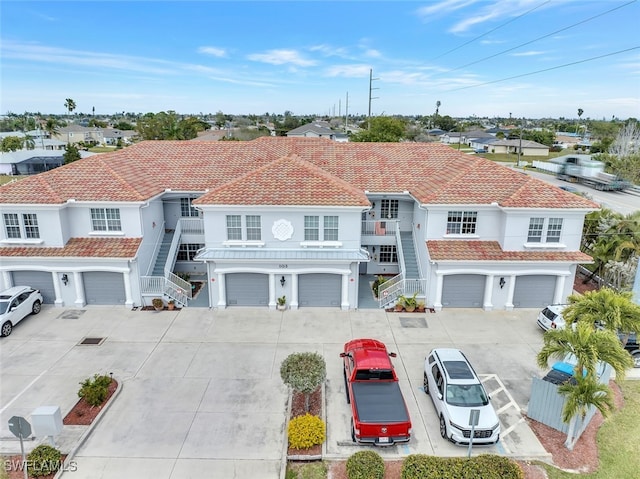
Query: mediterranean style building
[[306, 218]]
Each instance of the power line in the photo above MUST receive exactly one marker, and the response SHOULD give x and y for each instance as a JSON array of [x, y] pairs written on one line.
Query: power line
[[539, 38], [546, 69], [490, 31]]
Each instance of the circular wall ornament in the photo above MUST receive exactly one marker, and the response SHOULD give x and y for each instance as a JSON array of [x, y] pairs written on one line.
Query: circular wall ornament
[[282, 230]]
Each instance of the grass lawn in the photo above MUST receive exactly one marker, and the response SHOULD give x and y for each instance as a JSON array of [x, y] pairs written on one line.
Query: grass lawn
[[4, 179], [618, 441]]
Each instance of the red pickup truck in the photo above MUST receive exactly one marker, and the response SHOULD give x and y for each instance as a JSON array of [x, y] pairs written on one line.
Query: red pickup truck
[[379, 413]]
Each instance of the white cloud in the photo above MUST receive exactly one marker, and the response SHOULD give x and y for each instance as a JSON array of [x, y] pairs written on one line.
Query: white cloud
[[351, 71], [281, 57], [445, 6], [530, 53], [213, 51]]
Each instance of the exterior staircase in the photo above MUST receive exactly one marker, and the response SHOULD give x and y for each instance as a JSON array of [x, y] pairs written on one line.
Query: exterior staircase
[[411, 270], [163, 253]]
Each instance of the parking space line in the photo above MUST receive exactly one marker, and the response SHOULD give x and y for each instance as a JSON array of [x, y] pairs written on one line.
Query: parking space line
[[22, 392]]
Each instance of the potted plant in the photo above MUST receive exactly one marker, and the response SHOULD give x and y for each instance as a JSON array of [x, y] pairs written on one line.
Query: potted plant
[[158, 304], [411, 303], [171, 305], [421, 307], [400, 302], [282, 303]]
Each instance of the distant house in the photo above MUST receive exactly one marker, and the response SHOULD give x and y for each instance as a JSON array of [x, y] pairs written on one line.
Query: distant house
[[316, 130], [76, 134], [31, 162], [112, 135], [526, 147]]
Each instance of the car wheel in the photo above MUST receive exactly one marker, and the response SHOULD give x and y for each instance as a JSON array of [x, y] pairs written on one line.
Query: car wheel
[[6, 329], [636, 358], [425, 384], [346, 386], [37, 307], [443, 427]]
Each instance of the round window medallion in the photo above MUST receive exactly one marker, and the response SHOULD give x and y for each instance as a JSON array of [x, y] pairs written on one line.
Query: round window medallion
[[282, 230]]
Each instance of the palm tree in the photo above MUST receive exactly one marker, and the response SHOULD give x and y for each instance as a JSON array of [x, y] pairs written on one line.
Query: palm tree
[[579, 398], [51, 127], [70, 105], [589, 346], [580, 112], [612, 310]]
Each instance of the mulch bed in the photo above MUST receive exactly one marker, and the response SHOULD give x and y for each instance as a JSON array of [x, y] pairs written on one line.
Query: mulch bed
[[13, 472], [83, 414], [298, 409]]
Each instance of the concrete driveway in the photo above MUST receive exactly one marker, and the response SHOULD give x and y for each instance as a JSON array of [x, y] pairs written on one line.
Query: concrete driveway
[[201, 390]]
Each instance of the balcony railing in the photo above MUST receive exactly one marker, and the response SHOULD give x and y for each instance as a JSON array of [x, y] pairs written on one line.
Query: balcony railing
[[192, 226], [379, 228]]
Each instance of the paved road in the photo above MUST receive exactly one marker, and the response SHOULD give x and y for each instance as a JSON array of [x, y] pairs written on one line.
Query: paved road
[[624, 202], [201, 390]]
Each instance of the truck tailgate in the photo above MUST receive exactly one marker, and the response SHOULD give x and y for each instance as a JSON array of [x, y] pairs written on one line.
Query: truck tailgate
[[379, 402]]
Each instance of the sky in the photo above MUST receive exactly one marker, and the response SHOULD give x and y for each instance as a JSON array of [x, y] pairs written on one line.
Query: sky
[[488, 58]]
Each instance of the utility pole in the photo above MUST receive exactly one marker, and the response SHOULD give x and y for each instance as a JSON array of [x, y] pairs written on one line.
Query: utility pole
[[346, 113], [371, 79], [520, 147]]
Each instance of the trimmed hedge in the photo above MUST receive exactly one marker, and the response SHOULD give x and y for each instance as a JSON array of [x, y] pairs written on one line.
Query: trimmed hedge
[[43, 460], [95, 390], [365, 465], [485, 466], [306, 431]]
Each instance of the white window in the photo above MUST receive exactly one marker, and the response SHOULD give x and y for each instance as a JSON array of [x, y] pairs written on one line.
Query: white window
[[31, 229], [105, 219], [311, 228], [330, 228], [254, 229], [187, 209], [388, 254], [234, 227], [187, 251], [27, 228], [389, 209], [461, 222], [12, 225], [544, 230]]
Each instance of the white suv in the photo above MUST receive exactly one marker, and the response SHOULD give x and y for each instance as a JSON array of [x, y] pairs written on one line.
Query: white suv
[[455, 390], [551, 317], [15, 304]]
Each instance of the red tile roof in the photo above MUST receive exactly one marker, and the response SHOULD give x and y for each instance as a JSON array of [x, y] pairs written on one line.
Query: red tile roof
[[80, 248], [470, 250], [433, 173]]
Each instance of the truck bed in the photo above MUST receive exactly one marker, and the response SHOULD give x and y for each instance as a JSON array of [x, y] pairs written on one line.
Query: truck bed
[[379, 402]]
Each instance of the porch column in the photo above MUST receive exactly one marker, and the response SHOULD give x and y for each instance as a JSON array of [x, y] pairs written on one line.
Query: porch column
[[56, 288], [487, 305], [437, 303], [272, 291], [557, 295], [222, 293], [7, 280], [128, 301], [345, 291], [512, 289], [79, 285], [294, 291]]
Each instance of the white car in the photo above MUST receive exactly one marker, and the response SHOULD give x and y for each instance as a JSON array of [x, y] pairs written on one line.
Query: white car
[[456, 390], [551, 317], [17, 303]]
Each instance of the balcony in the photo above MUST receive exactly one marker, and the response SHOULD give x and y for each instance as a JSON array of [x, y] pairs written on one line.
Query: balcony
[[379, 228]]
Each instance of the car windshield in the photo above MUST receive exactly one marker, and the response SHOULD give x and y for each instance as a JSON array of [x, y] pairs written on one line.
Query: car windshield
[[3, 306], [466, 395], [549, 314]]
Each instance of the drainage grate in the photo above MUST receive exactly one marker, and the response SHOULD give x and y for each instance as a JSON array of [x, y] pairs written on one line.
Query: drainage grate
[[92, 341], [71, 314], [413, 322]]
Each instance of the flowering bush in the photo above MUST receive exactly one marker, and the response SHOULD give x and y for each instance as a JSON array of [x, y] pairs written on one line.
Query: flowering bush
[[306, 431]]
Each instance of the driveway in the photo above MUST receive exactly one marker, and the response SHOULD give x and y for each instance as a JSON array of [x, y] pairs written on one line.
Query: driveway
[[201, 389]]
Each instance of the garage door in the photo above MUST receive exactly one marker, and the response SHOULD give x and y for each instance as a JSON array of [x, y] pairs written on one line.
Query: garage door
[[319, 290], [463, 291], [102, 287], [534, 291], [41, 280], [247, 289]]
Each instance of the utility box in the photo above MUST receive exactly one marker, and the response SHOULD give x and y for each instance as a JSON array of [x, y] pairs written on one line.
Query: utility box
[[47, 421]]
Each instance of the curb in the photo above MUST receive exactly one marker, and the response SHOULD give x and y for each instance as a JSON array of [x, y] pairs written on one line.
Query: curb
[[88, 432]]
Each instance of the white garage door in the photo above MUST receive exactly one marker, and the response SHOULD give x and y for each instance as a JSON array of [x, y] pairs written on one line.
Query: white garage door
[[41, 280], [319, 290], [103, 287], [247, 289], [534, 291], [463, 291]]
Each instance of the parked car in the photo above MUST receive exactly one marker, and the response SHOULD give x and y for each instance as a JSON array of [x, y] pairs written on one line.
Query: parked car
[[551, 317], [17, 303], [632, 347], [456, 390]]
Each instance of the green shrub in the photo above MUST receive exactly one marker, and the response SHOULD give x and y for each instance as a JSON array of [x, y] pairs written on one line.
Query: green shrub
[[306, 431], [377, 283], [95, 390], [304, 372], [365, 465], [486, 466], [43, 460]]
